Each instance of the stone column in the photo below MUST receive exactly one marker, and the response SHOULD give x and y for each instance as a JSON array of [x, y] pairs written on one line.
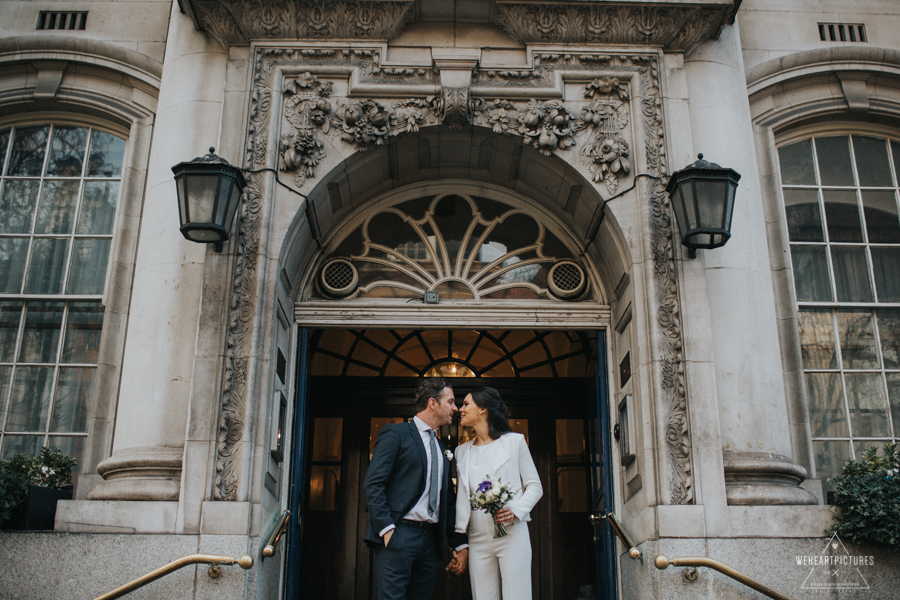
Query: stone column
[[753, 412], [164, 312]]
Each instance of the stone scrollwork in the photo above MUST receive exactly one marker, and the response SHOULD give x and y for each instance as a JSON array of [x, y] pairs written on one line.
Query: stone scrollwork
[[306, 108], [607, 153]]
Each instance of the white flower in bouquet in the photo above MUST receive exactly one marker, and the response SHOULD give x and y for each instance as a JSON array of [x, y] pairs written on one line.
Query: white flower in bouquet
[[491, 496]]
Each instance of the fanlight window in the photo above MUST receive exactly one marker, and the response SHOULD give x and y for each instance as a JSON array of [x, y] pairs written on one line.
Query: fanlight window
[[460, 246]]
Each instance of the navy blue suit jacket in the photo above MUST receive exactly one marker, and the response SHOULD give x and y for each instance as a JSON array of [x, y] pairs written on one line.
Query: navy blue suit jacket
[[396, 480]]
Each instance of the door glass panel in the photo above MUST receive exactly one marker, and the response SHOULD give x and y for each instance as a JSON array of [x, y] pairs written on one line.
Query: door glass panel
[[327, 439], [519, 426], [571, 466], [325, 472], [324, 486], [375, 426]]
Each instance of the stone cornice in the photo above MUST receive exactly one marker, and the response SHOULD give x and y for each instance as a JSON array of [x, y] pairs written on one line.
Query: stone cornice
[[673, 25]]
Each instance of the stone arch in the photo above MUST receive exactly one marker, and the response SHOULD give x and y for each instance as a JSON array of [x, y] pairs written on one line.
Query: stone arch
[[442, 156]]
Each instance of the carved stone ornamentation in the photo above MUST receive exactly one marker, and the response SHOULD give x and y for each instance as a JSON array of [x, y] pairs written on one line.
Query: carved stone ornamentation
[[364, 123], [606, 154], [457, 110], [307, 109], [672, 28], [238, 22], [545, 125]]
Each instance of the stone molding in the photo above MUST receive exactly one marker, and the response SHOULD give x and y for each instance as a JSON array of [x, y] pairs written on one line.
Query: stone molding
[[379, 120], [673, 26], [760, 478], [150, 473]]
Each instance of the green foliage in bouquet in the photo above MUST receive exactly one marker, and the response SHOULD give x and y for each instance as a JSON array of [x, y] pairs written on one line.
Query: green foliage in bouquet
[[51, 468], [867, 495]]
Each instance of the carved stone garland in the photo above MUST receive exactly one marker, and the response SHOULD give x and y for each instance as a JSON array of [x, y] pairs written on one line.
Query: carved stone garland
[[545, 125]]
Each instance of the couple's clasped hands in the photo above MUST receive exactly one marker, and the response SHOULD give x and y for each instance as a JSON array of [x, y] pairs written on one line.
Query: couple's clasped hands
[[460, 561]]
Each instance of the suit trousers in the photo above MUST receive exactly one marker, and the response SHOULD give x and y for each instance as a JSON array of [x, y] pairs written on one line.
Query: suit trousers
[[497, 564], [408, 567]]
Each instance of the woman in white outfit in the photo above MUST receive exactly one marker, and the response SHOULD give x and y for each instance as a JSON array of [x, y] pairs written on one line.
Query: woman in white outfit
[[495, 564]]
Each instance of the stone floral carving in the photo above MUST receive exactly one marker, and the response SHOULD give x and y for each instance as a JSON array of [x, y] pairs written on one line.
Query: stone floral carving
[[606, 153], [672, 28], [547, 126], [364, 124], [240, 21], [306, 108]]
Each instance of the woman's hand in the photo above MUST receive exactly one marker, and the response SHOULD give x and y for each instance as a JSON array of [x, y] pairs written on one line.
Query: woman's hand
[[460, 562], [505, 516]]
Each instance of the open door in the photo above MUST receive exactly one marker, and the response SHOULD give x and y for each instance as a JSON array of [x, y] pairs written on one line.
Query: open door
[[298, 469], [601, 476]]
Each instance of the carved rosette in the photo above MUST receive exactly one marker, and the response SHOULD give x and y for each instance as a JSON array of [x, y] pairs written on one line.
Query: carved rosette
[[308, 112]]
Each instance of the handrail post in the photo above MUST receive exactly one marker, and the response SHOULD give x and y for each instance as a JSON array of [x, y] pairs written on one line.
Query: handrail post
[[662, 562]]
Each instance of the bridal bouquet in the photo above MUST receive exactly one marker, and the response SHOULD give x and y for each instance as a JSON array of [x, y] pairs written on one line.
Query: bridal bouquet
[[491, 496]]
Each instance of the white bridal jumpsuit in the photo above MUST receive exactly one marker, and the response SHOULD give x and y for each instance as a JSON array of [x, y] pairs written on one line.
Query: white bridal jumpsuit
[[504, 563]]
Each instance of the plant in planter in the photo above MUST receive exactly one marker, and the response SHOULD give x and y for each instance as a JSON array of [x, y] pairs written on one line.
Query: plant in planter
[[867, 499], [31, 486]]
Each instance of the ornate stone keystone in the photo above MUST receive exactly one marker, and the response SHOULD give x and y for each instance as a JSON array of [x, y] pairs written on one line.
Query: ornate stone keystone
[[456, 66]]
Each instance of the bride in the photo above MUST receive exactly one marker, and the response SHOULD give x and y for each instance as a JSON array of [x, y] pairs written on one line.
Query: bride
[[504, 563]]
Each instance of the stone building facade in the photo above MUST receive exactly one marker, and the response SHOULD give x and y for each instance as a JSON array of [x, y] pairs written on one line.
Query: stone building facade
[[511, 156]]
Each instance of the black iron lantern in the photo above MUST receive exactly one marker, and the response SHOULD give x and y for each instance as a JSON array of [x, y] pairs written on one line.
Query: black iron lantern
[[209, 190], [702, 196]]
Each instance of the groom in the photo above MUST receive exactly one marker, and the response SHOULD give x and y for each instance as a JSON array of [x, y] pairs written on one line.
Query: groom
[[410, 498]]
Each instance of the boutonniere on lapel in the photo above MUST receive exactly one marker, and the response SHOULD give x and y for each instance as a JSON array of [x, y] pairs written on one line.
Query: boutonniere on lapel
[[448, 455]]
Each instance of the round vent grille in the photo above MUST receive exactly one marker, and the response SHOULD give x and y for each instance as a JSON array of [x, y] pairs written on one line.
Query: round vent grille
[[339, 277], [566, 279]]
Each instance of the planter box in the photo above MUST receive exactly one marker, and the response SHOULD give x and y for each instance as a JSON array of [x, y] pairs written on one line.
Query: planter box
[[38, 510]]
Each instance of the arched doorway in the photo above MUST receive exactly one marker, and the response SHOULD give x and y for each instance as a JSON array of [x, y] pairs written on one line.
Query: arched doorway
[[501, 295]]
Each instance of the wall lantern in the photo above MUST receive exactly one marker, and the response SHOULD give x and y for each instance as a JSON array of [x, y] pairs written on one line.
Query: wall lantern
[[702, 196], [209, 190]]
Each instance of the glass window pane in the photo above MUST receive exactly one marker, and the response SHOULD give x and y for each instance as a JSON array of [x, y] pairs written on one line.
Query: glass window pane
[[830, 459], [803, 216], [572, 489], [10, 311], [817, 339], [107, 152], [856, 330], [886, 268], [17, 205], [833, 155], [868, 407], [895, 152], [872, 164], [28, 148], [30, 399], [67, 151], [851, 274], [48, 265], [893, 385], [327, 439], [811, 278], [827, 417], [5, 374], [72, 404], [88, 273], [71, 445], [40, 336], [889, 331], [842, 216], [4, 144], [797, 164], [570, 440], [324, 487], [83, 327], [882, 224], [57, 210], [98, 207], [26, 444], [13, 254]]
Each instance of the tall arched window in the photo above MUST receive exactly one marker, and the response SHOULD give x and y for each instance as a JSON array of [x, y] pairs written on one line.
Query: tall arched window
[[59, 189], [841, 208]]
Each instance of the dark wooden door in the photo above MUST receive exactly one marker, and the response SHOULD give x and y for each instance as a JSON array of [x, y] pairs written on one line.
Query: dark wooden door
[[345, 416]]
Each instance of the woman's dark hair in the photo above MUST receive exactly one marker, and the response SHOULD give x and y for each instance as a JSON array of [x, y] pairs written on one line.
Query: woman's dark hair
[[498, 415]]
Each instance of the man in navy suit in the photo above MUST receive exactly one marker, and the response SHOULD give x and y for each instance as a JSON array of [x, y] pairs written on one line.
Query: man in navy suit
[[410, 498]]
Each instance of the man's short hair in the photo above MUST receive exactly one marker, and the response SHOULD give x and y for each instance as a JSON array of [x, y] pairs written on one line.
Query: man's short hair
[[430, 388]]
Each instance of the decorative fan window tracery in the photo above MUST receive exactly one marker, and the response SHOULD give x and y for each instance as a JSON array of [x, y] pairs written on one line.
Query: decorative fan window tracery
[[450, 353], [463, 247]]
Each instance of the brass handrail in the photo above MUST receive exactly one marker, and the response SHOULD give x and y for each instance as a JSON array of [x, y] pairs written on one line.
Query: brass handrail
[[214, 560], [275, 536], [662, 562], [633, 552]]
